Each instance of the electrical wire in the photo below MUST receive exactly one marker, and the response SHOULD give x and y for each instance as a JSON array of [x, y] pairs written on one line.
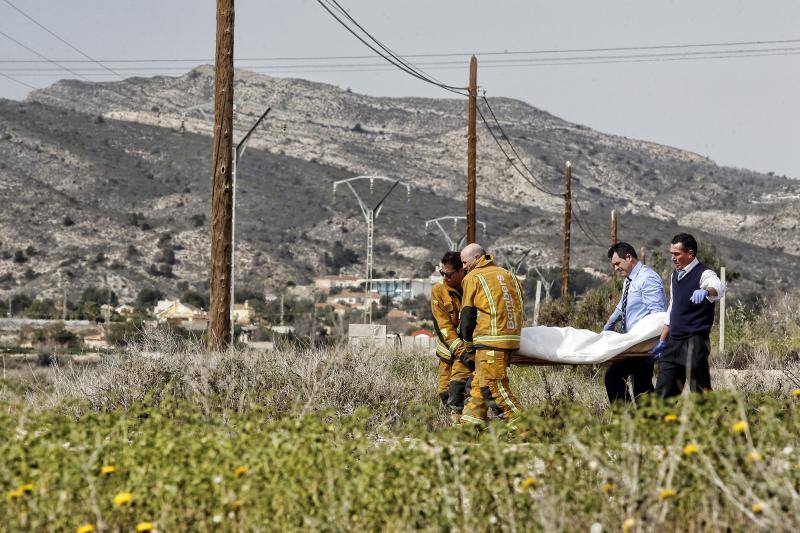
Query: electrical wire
[[541, 186], [446, 54], [438, 65], [15, 80], [430, 79], [394, 59], [81, 52], [28, 48]]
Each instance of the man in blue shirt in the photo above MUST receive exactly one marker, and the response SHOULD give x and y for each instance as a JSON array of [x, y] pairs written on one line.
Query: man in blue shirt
[[642, 294]]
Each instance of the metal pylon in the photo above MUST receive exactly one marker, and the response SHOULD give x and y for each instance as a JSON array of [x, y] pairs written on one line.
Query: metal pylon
[[370, 214], [453, 245]]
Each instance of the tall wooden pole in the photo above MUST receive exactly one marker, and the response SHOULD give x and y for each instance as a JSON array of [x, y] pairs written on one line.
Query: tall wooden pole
[[567, 223], [722, 314], [472, 141], [222, 182], [613, 239]]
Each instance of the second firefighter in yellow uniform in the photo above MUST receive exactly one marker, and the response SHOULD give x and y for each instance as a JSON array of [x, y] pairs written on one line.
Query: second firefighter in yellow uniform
[[454, 375], [491, 322]]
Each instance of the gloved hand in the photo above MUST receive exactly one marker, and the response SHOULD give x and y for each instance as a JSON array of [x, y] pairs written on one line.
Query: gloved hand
[[609, 326], [658, 350], [468, 358], [698, 296]]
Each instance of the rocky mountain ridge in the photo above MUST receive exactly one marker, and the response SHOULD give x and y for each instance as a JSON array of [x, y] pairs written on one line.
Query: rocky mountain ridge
[[117, 157]]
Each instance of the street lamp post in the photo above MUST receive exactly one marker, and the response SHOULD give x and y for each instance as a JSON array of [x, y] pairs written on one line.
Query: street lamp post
[[238, 152]]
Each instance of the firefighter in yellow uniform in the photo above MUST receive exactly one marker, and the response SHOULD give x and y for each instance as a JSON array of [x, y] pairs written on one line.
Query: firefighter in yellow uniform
[[445, 307], [491, 322]]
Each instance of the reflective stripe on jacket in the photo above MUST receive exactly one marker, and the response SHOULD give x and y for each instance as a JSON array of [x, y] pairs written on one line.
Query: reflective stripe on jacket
[[497, 295], [446, 306]]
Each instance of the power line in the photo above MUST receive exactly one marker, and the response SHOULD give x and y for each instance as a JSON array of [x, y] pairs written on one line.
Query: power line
[[394, 59], [15, 80], [60, 38], [28, 48], [440, 64], [442, 54], [507, 138], [295, 69]]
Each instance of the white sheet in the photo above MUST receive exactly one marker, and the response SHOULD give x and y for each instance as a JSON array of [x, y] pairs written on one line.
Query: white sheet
[[583, 346]]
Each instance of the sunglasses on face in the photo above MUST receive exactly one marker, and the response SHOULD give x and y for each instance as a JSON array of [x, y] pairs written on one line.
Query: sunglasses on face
[[448, 275]]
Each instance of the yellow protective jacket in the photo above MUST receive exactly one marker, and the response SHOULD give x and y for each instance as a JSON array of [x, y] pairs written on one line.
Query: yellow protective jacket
[[446, 307], [492, 307]]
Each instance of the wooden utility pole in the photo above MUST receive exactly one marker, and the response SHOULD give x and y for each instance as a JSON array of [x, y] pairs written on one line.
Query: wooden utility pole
[[722, 314], [642, 255], [472, 141], [613, 239], [567, 223], [222, 182]]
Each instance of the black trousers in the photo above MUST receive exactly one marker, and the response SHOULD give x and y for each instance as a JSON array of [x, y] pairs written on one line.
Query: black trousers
[[639, 369], [685, 359]]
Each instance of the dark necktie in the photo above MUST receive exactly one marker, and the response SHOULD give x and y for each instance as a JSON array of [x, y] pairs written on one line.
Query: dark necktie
[[625, 303]]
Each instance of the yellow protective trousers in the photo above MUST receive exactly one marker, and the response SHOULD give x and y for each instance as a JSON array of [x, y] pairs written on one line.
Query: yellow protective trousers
[[443, 380], [458, 388], [490, 389]]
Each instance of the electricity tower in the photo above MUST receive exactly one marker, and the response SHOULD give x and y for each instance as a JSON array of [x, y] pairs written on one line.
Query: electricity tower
[[370, 214], [454, 245]]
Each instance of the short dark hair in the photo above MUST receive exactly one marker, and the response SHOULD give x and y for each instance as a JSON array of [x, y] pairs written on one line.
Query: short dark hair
[[687, 241], [453, 259], [622, 249]]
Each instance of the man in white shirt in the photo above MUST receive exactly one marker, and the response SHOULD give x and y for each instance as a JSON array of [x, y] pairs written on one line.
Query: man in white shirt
[[684, 346]]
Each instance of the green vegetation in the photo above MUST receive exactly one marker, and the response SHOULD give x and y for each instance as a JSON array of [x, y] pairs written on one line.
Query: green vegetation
[[355, 439]]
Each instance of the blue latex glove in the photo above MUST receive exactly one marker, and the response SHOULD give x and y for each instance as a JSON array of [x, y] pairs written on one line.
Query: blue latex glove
[[609, 326], [658, 350], [698, 296]]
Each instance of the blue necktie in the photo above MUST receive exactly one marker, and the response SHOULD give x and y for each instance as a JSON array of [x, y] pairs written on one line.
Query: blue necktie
[[681, 273]]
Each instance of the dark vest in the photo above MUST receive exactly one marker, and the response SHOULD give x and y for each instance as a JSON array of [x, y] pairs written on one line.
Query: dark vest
[[687, 318]]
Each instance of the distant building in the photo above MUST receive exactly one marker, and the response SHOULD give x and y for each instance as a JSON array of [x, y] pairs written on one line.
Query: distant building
[[125, 310], [175, 312], [351, 298], [404, 288], [242, 313], [326, 283]]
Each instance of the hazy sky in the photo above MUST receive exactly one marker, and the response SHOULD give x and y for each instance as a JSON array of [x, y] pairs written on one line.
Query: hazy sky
[[740, 112]]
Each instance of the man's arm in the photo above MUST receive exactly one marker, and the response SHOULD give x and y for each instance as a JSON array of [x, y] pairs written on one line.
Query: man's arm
[[653, 297], [711, 282], [446, 328]]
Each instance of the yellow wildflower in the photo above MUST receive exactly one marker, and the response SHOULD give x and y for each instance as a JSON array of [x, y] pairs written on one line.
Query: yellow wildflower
[[628, 525], [667, 494], [144, 526], [26, 488], [757, 508], [239, 472], [671, 419], [108, 469], [608, 488], [123, 498], [796, 393], [86, 528], [528, 483], [690, 449], [753, 457], [236, 504], [14, 494], [739, 427]]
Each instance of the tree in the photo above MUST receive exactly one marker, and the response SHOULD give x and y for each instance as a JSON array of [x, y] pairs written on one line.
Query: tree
[[148, 298], [42, 309], [195, 298]]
